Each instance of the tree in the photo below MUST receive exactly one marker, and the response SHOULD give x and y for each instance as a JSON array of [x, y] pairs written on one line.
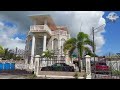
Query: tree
[[8, 54], [2, 51], [80, 43]]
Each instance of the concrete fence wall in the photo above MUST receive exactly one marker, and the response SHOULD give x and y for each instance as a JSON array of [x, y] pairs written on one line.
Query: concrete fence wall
[[115, 65], [18, 64]]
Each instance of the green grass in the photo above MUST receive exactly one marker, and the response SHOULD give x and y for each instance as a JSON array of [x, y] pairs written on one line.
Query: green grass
[[115, 72], [32, 76]]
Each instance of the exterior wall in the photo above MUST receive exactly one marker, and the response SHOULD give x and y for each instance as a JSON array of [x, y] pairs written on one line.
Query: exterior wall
[[59, 38]]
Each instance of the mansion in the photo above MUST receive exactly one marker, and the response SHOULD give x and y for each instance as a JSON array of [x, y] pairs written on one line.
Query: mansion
[[45, 35]]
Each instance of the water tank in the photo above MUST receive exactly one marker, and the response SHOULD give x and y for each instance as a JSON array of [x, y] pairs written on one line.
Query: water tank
[[7, 66], [12, 66], [1, 66]]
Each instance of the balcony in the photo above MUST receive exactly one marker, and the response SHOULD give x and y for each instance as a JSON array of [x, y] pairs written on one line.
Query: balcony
[[60, 32], [40, 28], [45, 28]]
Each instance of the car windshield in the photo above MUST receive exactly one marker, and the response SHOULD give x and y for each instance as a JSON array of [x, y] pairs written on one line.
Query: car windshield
[[57, 64], [102, 63]]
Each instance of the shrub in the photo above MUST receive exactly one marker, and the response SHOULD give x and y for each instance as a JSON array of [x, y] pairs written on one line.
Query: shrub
[[33, 76], [3, 58], [76, 75], [116, 72]]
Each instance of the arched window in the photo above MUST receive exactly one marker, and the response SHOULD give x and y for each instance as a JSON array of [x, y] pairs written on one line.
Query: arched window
[[55, 44], [62, 42]]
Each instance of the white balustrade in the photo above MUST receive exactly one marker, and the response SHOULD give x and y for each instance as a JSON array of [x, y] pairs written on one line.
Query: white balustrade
[[42, 28]]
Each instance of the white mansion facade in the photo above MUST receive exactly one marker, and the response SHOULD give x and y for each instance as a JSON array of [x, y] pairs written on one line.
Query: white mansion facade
[[44, 35]]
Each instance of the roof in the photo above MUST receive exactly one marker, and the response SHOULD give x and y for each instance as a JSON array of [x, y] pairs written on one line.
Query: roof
[[40, 20], [62, 28]]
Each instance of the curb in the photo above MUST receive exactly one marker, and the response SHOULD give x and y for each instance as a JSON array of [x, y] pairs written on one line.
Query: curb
[[58, 77]]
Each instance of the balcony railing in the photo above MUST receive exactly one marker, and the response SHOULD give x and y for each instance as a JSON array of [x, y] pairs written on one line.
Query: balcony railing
[[61, 32], [40, 28], [45, 28]]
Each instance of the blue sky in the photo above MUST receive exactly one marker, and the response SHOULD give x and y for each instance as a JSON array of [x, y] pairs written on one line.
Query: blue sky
[[112, 36]]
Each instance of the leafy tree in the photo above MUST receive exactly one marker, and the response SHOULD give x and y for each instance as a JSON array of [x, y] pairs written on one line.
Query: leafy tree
[[2, 51]]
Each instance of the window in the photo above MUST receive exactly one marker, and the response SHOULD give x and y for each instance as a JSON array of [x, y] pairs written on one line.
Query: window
[[62, 41], [55, 44], [102, 63]]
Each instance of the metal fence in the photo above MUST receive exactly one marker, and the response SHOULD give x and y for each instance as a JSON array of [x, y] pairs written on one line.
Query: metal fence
[[112, 71], [44, 62]]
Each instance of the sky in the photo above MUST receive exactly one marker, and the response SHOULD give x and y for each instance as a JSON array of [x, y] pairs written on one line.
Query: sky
[[14, 26], [112, 36]]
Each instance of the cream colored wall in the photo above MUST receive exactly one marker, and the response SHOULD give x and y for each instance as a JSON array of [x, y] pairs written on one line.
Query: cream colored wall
[[49, 45]]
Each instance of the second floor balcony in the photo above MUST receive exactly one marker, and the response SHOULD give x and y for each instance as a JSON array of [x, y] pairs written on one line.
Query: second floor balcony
[[40, 28], [45, 28]]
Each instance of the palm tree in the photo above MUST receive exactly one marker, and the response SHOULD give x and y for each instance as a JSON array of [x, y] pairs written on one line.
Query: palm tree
[[7, 53], [2, 51], [80, 43]]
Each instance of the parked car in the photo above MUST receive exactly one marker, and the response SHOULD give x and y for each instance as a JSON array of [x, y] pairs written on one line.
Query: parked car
[[100, 67], [58, 67]]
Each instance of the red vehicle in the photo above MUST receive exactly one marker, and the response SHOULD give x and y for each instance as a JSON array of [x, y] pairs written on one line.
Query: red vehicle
[[100, 67]]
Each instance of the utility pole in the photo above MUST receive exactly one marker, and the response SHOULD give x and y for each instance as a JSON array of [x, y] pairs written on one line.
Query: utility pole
[[94, 51], [16, 52], [93, 43]]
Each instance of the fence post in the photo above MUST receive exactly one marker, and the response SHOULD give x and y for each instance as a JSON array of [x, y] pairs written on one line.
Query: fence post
[[88, 67], [37, 57]]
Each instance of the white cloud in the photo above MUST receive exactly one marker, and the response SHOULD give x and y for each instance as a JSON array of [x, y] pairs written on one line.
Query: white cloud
[[72, 19], [85, 20], [12, 43], [7, 40], [1, 24]]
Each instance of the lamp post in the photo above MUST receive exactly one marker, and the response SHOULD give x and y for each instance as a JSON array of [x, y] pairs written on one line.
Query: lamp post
[[112, 17]]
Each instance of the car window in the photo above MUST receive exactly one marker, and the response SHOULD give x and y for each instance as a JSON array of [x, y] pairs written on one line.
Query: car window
[[102, 63], [59, 65], [54, 65]]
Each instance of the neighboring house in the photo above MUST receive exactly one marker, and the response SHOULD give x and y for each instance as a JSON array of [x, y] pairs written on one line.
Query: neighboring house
[[45, 35]]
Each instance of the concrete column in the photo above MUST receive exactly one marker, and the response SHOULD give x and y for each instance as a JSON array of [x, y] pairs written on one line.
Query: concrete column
[[88, 67], [44, 42], [59, 48], [52, 44], [37, 64], [32, 51], [26, 55], [33, 46]]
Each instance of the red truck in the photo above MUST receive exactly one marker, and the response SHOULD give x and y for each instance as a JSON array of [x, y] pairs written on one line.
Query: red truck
[[100, 67]]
